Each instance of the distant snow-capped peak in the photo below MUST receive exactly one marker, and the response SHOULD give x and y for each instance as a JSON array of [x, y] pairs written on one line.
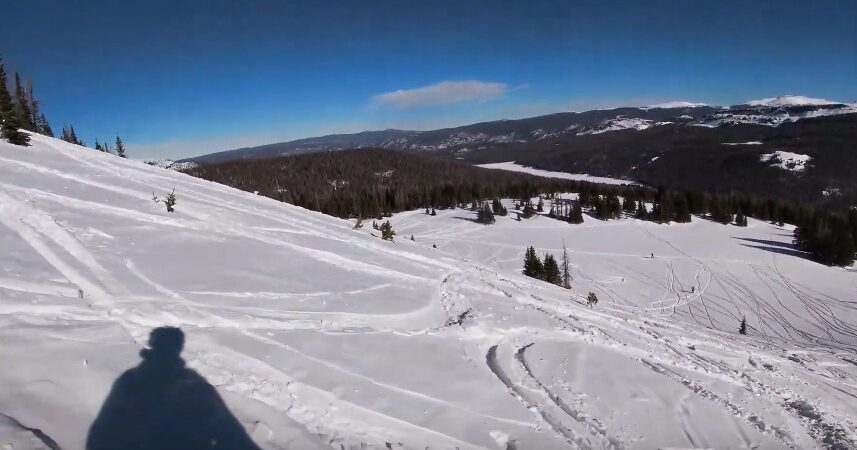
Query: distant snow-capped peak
[[790, 100], [678, 104]]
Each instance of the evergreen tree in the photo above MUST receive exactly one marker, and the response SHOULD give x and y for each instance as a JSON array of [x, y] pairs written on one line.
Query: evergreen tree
[[485, 216], [433, 212], [566, 268], [43, 126], [541, 206], [551, 270], [852, 222], [827, 237], [10, 127], [387, 232], [576, 214], [170, 201], [529, 211], [120, 147], [533, 266], [641, 213], [498, 207], [69, 135], [40, 122], [720, 211], [74, 138], [663, 210], [742, 329], [22, 110], [682, 209], [585, 195], [698, 202], [591, 299], [12, 133], [740, 219], [628, 205]]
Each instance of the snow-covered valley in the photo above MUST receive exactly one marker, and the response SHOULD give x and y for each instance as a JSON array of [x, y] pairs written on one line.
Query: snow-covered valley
[[317, 335]]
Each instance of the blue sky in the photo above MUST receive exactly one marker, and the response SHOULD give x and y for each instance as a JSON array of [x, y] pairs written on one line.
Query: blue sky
[[181, 78]]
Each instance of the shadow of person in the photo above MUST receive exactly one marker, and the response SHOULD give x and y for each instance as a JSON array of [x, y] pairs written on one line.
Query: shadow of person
[[162, 405]]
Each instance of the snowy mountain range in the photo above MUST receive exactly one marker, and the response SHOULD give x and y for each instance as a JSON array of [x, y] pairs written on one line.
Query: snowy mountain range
[[491, 135], [682, 145], [311, 334]]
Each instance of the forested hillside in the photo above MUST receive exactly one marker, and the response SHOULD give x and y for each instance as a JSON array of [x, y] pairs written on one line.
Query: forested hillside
[[372, 182]]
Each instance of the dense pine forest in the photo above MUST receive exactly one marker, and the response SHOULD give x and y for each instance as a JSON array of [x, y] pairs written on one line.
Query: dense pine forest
[[374, 182]]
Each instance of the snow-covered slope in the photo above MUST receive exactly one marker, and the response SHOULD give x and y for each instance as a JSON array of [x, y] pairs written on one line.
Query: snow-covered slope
[[320, 336], [791, 161], [620, 123], [170, 164]]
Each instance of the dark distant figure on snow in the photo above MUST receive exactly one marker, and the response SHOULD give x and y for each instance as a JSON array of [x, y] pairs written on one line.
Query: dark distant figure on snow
[[162, 405], [653, 256]]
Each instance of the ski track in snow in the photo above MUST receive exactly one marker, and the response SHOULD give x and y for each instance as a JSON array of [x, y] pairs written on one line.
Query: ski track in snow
[[787, 384]]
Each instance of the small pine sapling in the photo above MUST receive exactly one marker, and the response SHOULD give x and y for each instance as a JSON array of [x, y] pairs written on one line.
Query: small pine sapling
[[566, 268], [170, 201], [591, 299], [387, 232]]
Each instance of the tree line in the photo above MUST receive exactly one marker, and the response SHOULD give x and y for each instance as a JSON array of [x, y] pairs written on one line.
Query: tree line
[[21, 110]]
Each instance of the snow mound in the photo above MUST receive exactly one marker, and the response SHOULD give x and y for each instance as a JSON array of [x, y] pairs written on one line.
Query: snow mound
[[317, 335], [791, 100], [794, 162]]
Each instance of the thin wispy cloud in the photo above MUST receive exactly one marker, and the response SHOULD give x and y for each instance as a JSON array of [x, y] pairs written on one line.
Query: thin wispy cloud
[[443, 93]]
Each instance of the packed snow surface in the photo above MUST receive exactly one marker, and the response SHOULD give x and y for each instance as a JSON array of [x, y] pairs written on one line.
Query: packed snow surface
[[317, 335], [515, 167], [790, 100], [794, 162]]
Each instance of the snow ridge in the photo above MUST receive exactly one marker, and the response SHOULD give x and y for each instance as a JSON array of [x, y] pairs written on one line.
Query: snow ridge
[[791, 100]]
